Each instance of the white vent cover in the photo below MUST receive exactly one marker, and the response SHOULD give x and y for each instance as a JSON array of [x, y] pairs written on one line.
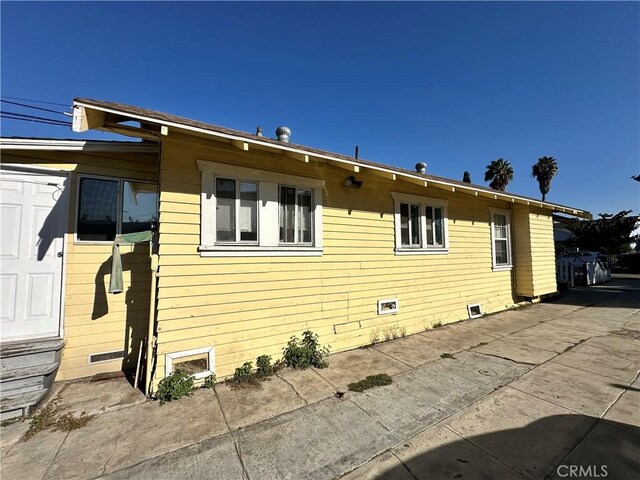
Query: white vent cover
[[388, 305], [474, 310]]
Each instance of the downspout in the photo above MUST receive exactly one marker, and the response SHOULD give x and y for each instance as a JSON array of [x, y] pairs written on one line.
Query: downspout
[[151, 339], [154, 253]]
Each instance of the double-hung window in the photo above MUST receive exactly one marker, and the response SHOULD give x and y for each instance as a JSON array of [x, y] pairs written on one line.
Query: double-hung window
[[420, 224], [501, 239], [248, 212], [107, 207]]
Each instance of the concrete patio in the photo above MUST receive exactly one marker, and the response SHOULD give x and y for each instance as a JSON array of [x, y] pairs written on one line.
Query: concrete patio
[[527, 391]]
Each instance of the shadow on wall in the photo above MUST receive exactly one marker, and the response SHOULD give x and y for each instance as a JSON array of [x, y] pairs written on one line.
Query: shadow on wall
[[50, 230], [136, 298], [542, 449]]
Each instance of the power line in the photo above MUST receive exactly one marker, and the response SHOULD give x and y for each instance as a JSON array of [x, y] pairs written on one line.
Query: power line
[[35, 108], [36, 101], [24, 115], [46, 122]]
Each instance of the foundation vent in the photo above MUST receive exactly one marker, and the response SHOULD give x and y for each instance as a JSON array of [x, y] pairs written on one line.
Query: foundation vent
[[474, 310], [388, 305], [106, 356]]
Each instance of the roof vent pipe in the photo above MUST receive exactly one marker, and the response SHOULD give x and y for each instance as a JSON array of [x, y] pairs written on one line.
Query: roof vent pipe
[[259, 132], [283, 134], [421, 167]]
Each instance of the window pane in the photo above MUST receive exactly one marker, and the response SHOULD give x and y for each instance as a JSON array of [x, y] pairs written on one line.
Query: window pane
[[304, 217], [437, 213], [139, 206], [404, 224], [501, 252], [249, 212], [97, 209], [415, 224], [287, 214], [225, 210], [499, 226], [429, 219]]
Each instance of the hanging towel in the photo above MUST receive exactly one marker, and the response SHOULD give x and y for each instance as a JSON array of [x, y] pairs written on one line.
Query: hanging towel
[[115, 282]]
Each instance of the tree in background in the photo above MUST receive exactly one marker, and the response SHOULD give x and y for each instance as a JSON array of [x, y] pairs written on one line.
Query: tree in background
[[543, 171], [499, 173], [610, 234], [466, 177]]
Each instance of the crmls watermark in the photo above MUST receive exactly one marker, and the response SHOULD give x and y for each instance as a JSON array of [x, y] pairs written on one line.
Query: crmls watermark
[[582, 471]]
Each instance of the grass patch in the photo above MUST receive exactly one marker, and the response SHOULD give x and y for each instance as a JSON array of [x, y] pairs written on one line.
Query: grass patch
[[9, 421], [370, 382], [49, 419], [446, 355]]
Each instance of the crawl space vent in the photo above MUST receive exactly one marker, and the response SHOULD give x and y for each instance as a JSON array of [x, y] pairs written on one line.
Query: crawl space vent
[[103, 357], [389, 305], [474, 310]]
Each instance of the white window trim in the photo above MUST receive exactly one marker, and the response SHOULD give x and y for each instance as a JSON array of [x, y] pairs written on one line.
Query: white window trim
[[501, 267], [119, 213], [390, 311], [424, 202], [267, 244], [210, 351]]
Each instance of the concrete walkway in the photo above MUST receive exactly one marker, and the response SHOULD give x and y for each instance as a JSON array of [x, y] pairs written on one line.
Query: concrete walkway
[[532, 393]]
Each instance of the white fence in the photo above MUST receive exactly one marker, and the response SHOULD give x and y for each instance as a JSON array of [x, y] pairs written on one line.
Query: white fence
[[582, 268]]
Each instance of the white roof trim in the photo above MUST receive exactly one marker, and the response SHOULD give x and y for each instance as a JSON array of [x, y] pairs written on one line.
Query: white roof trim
[[75, 145], [284, 147]]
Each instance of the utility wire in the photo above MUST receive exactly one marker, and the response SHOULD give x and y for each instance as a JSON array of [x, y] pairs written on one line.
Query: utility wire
[[31, 118], [35, 121], [35, 108], [36, 101]]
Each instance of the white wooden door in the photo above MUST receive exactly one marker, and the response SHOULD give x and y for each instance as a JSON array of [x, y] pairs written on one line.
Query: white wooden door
[[33, 219]]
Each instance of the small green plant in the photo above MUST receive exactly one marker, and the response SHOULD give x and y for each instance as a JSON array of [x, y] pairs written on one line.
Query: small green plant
[[374, 336], [264, 367], [446, 355], [305, 353], [210, 381], [370, 382], [177, 385], [244, 374], [437, 324], [48, 419], [403, 331], [392, 332]]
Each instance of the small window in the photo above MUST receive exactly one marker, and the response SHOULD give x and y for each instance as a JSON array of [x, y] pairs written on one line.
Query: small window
[[295, 215], [501, 239], [421, 224], [107, 207]]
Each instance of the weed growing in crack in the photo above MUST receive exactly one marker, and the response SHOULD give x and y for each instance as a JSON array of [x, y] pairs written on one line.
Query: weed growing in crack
[[437, 324], [370, 382], [48, 418], [177, 385], [305, 353]]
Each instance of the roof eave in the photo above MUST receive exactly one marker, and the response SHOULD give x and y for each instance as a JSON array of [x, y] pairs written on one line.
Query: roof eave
[[83, 120]]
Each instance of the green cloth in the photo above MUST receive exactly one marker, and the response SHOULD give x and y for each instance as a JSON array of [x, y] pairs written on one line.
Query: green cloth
[[115, 282]]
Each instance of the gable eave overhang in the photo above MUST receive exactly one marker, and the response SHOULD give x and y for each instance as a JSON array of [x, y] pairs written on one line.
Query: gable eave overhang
[[87, 116], [48, 144]]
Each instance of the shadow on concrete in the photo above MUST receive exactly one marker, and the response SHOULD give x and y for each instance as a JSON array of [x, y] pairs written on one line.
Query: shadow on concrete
[[555, 447], [623, 293]]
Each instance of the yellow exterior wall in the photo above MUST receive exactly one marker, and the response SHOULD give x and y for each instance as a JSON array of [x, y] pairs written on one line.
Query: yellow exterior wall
[[93, 320], [534, 251], [542, 251], [248, 306]]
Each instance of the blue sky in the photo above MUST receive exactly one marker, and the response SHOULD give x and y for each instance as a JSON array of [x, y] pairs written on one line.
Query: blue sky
[[453, 84]]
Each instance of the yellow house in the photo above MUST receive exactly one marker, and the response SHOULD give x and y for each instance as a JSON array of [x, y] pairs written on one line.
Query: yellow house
[[257, 239]]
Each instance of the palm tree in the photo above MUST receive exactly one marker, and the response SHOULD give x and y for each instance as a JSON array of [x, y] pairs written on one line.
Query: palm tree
[[499, 173], [544, 170]]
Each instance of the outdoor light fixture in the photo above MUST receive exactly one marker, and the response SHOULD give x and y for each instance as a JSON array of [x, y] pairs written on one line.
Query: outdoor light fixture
[[351, 182]]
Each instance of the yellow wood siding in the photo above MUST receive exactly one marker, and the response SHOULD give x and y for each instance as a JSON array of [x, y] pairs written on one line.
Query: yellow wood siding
[[93, 320], [248, 306]]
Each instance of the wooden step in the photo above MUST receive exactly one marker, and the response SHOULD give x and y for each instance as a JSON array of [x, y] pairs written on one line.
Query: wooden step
[[19, 405], [28, 372], [18, 348]]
